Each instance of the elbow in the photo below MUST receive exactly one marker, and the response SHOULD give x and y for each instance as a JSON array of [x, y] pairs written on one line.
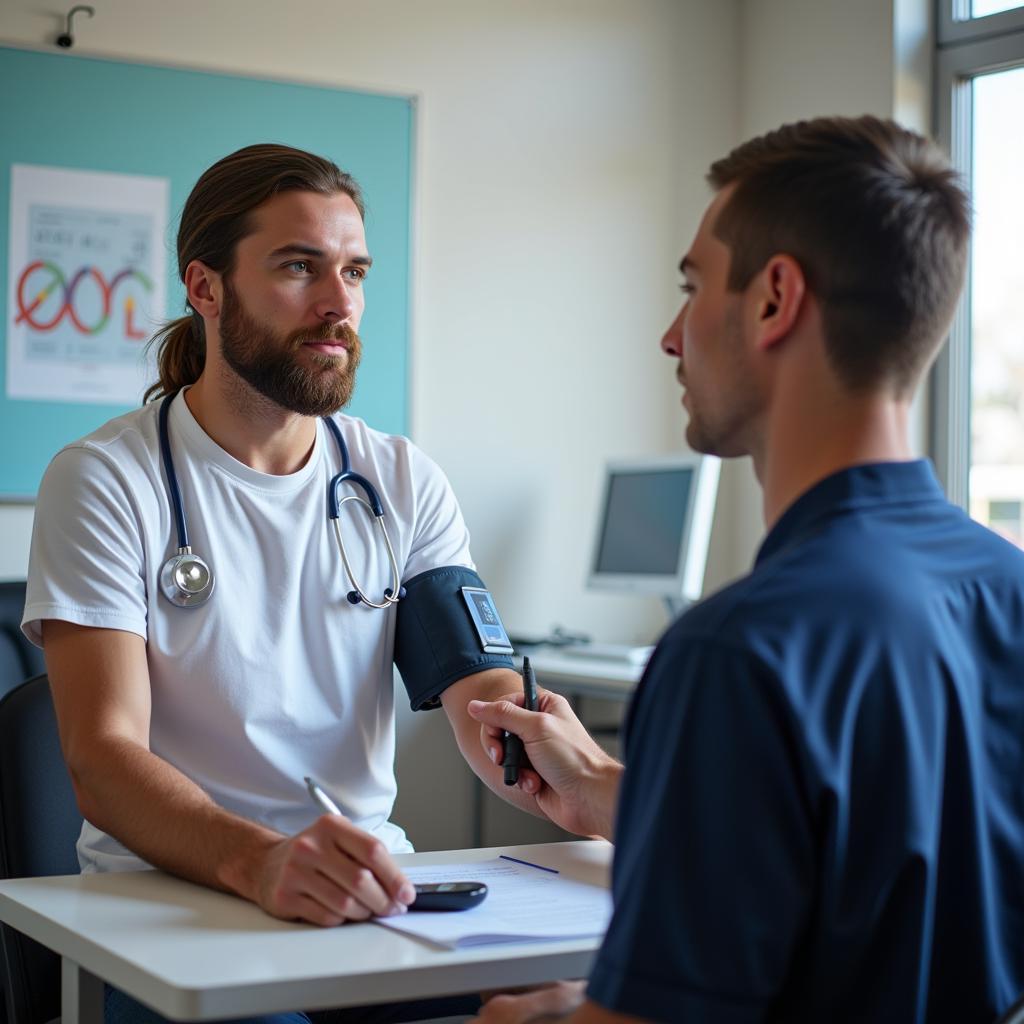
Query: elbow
[[89, 767], [87, 804]]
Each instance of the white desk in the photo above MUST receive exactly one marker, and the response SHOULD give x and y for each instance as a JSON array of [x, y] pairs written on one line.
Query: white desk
[[581, 676], [192, 953]]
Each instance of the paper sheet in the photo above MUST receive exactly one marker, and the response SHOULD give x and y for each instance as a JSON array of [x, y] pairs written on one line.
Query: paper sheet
[[524, 904]]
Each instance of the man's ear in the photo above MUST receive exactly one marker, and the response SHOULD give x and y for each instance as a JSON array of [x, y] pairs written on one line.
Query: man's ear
[[204, 289], [779, 291]]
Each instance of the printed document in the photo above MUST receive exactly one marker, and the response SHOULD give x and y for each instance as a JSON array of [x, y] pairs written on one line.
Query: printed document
[[524, 903]]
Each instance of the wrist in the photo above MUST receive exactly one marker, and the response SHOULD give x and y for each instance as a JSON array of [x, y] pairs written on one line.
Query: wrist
[[604, 781], [243, 870]]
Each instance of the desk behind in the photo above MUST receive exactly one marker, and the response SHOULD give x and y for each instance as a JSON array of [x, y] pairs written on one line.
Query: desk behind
[[583, 676]]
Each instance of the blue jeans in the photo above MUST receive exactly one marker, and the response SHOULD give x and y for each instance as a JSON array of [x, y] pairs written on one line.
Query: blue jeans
[[122, 1009]]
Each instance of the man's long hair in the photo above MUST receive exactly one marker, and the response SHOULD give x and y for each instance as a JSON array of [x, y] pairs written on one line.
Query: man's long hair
[[217, 215]]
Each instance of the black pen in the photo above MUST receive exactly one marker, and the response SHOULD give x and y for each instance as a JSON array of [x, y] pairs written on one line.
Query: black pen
[[515, 756]]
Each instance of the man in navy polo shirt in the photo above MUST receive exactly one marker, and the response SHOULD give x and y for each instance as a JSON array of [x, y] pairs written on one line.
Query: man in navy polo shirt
[[822, 814]]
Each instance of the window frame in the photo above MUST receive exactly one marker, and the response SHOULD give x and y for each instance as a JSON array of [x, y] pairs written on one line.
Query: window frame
[[966, 48]]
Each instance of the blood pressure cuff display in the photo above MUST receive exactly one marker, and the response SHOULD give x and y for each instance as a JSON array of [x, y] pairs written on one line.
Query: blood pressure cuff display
[[436, 641]]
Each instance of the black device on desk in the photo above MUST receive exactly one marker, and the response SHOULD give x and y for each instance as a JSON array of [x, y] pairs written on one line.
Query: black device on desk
[[448, 895]]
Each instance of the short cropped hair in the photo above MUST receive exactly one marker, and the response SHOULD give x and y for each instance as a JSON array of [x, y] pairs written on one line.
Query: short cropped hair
[[878, 221]]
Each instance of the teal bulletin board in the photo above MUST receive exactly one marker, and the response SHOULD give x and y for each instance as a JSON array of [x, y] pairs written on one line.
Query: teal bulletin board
[[80, 114]]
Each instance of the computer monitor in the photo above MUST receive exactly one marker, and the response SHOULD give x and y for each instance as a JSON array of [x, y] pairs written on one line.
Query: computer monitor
[[654, 526]]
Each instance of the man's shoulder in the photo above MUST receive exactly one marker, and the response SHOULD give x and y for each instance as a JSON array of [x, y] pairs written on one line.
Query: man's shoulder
[[369, 441], [126, 441], [397, 458], [856, 575]]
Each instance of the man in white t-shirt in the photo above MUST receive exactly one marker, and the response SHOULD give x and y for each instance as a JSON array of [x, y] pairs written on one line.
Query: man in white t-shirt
[[188, 727]]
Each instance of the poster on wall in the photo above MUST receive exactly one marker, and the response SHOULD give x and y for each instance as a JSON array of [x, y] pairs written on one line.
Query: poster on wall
[[86, 284]]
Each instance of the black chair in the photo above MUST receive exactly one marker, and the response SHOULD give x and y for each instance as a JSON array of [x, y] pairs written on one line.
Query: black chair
[[19, 659], [39, 825]]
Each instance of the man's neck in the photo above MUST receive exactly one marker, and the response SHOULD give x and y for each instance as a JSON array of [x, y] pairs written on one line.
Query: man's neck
[[249, 427], [802, 446]]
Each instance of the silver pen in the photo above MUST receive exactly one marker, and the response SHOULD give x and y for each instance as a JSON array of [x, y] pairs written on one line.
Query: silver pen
[[320, 798]]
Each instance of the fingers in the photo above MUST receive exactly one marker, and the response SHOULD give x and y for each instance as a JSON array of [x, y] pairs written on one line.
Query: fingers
[[333, 872], [370, 870], [504, 714]]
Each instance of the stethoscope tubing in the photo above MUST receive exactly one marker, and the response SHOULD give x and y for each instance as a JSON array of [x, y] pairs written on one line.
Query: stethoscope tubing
[[174, 492], [371, 502]]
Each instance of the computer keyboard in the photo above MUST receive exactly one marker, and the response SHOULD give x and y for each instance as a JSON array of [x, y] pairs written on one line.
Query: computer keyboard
[[633, 655]]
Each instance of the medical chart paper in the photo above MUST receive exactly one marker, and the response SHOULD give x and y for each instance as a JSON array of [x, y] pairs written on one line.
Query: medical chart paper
[[524, 904]]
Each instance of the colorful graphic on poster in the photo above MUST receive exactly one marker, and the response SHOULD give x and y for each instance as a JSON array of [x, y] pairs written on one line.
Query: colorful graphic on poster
[[86, 283]]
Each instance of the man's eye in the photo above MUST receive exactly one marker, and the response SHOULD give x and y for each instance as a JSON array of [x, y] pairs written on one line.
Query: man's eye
[[356, 273], [299, 266]]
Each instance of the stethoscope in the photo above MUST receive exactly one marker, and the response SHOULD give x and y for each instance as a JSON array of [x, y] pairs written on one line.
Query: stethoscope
[[187, 580]]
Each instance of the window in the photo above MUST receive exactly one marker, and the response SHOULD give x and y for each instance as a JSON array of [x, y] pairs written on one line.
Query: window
[[978, 387], [982, 8]]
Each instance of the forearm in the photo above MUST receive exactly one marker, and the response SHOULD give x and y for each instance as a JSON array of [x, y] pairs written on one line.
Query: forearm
[[488, 686], [167, 820]]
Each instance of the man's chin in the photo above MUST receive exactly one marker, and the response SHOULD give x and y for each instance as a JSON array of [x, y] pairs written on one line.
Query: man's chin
[[703, 443]]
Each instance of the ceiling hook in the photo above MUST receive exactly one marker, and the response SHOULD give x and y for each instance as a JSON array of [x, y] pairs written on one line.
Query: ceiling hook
[[66, 39]]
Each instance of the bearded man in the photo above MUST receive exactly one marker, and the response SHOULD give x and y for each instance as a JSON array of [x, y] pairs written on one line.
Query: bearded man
[[208, 644]]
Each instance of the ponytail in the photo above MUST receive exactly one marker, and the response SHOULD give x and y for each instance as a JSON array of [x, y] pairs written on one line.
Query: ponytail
[[180, 356]]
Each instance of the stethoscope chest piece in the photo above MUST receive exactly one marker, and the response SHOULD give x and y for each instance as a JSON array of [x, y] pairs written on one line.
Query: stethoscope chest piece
[[186, 580]]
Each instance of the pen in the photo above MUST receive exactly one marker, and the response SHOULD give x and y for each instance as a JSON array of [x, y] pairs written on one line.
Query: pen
[[529, 685], [515, 756], [320, 798]]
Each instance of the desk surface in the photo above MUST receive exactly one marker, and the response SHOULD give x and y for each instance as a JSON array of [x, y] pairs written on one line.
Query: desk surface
[[192, 953]]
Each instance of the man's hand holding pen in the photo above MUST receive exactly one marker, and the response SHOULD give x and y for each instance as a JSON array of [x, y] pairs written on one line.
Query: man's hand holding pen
[[574, 782]]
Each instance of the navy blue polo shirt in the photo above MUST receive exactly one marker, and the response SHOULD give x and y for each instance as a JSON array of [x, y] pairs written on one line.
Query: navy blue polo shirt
[[822, 813]]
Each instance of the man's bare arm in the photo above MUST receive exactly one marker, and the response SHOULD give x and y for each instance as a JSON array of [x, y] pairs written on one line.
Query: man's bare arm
[[490, 685], [329, 873]]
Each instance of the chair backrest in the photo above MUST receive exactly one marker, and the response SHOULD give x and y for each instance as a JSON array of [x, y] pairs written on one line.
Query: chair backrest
[[39, 825], [19, 659]]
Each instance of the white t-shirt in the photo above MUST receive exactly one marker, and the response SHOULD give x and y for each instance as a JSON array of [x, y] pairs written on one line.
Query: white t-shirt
[[277, 676]]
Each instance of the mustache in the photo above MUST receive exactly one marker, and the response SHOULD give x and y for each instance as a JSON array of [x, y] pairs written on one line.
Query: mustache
[[326, 333]]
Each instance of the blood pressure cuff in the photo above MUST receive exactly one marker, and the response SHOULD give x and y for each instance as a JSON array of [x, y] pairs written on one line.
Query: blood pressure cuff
[[436, 642]]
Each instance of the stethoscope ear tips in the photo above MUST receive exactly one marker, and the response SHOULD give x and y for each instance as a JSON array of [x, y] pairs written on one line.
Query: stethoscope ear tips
[[353, 597]]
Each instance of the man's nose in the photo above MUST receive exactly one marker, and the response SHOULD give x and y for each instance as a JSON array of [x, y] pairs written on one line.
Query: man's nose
[[336, 303], [672, 339]]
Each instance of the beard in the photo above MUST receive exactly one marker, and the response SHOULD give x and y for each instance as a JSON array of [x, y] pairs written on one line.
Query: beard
[[270, 363]]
